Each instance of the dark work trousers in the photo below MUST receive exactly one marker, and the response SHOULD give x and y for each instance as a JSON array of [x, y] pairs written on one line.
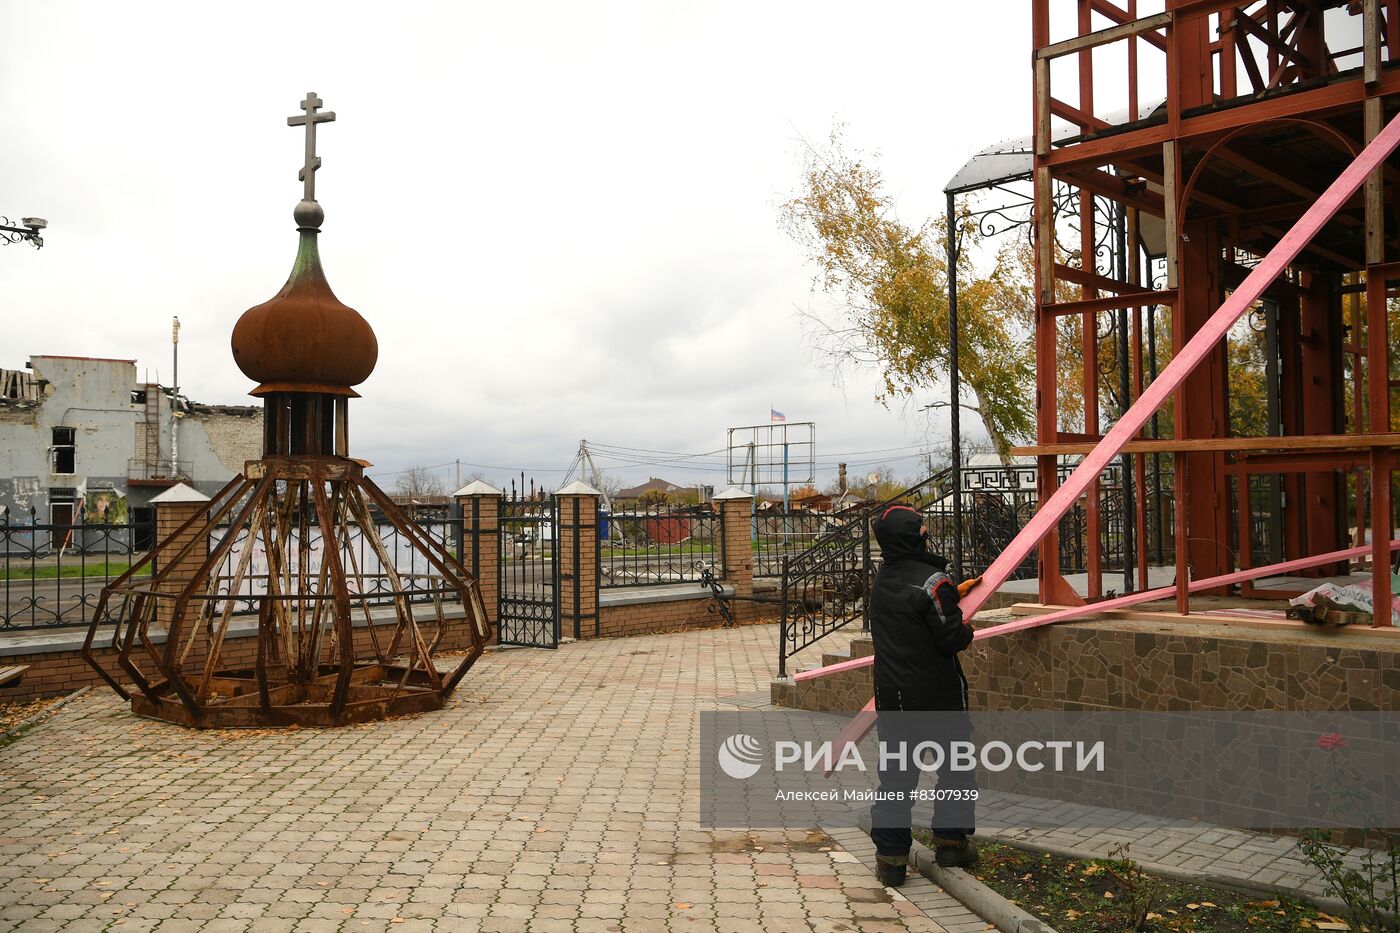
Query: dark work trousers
[[890, 816]]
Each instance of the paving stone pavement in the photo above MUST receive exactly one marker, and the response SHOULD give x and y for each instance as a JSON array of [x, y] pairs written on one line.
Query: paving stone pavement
[[557, 792], [1251, 859]]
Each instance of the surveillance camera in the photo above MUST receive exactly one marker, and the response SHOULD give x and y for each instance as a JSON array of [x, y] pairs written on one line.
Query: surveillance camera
[[34, 223]]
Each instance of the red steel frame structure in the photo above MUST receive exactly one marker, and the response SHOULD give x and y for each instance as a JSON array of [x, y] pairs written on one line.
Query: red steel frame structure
[[1260, 114], [1317, 227]]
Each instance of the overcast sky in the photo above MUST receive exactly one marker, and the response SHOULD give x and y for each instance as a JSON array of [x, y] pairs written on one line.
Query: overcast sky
[[559, 218]]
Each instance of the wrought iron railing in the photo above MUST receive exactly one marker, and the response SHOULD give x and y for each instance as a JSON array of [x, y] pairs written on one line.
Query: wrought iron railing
[[826, 587], [777, 534], [647, 546], [999, 501], [51, 575]]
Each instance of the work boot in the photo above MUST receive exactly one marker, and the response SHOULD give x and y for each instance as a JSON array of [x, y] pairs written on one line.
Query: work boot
[[891, 869], [954, 853]]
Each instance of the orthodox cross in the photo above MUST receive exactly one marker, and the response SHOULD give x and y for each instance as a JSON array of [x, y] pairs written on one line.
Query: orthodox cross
[[309, 120]]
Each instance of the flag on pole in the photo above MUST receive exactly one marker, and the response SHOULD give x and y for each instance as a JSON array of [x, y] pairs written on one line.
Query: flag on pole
[[775, 415]]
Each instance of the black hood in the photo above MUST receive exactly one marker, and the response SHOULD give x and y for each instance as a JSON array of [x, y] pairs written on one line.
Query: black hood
[[897, 530]]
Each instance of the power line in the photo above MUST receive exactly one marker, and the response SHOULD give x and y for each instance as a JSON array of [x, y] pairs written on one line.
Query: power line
[[704, 461]]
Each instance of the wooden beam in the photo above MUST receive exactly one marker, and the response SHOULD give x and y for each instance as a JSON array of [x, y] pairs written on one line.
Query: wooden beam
[[1117, 188], [1043, 136], [1198, 194], [1331, 442], [1109, 303], [1094, 280], [1185, 361], [1299, 462], [1287, 211], [1121, 602], [1117, 14], [1085, 121], [1196, 8], [1045, 235], [1103, 36], [1235, 273], [1371, 41], [1171, 183], [1251, 67], [1287, 179], [1114, 148], [1256, 29], [1346, 262]]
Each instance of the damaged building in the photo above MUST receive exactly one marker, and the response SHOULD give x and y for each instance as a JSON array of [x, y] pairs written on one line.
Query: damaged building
[[85, 437]]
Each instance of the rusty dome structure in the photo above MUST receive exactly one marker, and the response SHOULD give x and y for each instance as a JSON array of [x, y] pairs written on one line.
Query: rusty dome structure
[[302, 546]]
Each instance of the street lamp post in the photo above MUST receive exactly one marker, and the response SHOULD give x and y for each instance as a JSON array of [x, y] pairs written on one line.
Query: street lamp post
[[28, 230]]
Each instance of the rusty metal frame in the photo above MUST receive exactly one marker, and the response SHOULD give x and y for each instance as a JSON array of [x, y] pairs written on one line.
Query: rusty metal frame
[[307, 670]]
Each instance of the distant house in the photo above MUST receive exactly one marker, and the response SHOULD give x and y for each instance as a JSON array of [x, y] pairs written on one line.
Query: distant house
[[811, 502], [424, 505], [630, 495], [848, 500]]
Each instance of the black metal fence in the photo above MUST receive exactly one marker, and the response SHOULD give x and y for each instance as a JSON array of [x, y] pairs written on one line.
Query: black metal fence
[[824, 587], [650, 546], [777, 534], [999, 501], [51, 575], [528, 572]]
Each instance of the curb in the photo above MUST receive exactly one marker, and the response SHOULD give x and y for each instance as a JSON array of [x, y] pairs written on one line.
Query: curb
[[976, 896], [1208, 879], [971, 893], [43, 714]]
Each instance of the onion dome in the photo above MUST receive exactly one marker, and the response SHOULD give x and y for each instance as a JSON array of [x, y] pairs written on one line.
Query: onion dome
[[304, 339]]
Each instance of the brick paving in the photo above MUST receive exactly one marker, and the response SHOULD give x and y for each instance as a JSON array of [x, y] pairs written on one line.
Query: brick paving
[[1252, 859], [557, 792]]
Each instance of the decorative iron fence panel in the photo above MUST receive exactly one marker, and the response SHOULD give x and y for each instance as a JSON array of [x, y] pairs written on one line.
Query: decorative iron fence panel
[[52, 575], [998, 502], [529, 573], [648, 546], [824, 587], [777, 534]]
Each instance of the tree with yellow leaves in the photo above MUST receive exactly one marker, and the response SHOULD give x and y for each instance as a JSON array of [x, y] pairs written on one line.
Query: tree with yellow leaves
[[890, 281]]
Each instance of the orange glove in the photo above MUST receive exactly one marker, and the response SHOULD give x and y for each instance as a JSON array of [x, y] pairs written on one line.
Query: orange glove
[[966, 586]]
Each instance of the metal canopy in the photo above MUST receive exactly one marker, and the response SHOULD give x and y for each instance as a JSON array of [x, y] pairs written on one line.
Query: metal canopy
[[1012, 159]]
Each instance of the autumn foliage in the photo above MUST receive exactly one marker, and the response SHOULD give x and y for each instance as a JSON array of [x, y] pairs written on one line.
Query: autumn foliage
[[890, 281]]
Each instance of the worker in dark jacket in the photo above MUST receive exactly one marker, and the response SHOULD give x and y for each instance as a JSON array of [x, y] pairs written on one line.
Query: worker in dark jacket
[[918, 630]]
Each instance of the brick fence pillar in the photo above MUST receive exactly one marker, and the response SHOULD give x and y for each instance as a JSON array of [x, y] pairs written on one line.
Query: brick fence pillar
[[577, 537], [736, 527], [481, 542], [173, 508]]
